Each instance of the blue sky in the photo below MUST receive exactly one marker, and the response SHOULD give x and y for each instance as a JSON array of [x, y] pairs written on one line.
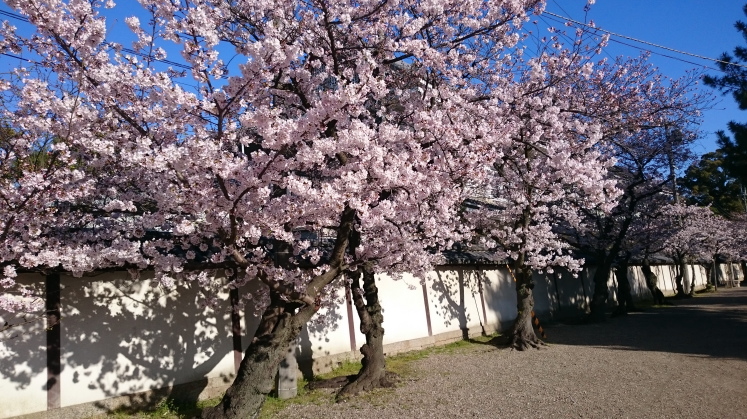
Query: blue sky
[[696, 26]]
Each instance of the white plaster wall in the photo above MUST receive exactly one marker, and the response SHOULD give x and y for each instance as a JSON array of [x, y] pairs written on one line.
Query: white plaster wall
[[638, 287], [727, 272], [454, 300], [23, 359], [572, 291], [122, 336], [699, 276], [474, 279], [545, 296], [666, 275], [611, 286], [323, 339], [403, 308], [500, 297]]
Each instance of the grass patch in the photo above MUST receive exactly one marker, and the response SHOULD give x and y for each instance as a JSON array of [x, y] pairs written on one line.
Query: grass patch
[[400, 364], [167, 409], [273, 405]]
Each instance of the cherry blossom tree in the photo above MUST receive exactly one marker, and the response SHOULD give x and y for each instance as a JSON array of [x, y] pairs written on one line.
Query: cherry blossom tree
[[550, 169], [648, 123], [278, 126], [697, 234]]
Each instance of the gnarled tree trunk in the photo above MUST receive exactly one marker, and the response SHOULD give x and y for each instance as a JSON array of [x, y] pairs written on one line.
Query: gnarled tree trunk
[[373, 371], [691, 292], [652, 282], [280, 326], [678, 280], [601, 291], [709, 272], [522, 335], [625, 302], [255, 378]]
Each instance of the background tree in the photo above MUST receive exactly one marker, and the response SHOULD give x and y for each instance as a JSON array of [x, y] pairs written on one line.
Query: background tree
[[706, 183], [647, 127], [734, 82], [549, 169]]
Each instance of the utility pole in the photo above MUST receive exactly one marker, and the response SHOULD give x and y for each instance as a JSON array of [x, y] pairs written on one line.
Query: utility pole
[[670, 157]]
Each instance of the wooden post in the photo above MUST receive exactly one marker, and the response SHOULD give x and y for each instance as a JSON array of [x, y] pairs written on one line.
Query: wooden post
[[236, 328], [351, 321], [54, 338]]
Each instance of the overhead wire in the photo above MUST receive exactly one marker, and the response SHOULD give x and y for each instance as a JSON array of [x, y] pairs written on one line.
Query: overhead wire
[[672, 57], [630, 38], [17, 57], [14, 16], [548, 13]]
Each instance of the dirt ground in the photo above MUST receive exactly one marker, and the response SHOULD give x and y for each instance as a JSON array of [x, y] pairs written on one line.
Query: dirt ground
[[688, 360]]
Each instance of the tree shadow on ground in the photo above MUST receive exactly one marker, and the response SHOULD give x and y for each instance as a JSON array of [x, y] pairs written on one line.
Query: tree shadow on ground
[[709, 325]]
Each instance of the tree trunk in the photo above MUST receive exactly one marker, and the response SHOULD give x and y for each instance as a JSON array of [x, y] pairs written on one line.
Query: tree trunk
[[373, 371], [678, 280], [624, 297], [280, 326], [601, 291], [652, 282], [709, 271], [255, 378], [691, 293], [522, 335]]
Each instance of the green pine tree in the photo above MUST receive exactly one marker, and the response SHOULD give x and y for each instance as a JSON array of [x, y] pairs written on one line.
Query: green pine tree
[[734, 81]]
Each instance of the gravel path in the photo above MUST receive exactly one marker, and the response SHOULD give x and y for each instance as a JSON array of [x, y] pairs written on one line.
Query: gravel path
[[686, 361]]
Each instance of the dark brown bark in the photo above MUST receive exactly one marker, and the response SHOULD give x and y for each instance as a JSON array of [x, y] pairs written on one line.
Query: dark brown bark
[[373, 370], [54, 340], [281, 324], [255, 378], [236, 327], [678, 280], [652, 282], [709, 271], [606, 258], [625, 302], [691, 293], [522, 335], [601, 292]]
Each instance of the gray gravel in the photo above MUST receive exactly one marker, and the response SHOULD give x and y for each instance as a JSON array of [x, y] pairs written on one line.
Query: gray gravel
[[685, 361]]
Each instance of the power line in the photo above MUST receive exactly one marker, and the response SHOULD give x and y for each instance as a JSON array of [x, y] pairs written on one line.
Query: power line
[[665, 55], [646, 42], [150, 57], [16, 56], [36, 62], [186, 67], [671, 57], [561, 8], [14, 16]]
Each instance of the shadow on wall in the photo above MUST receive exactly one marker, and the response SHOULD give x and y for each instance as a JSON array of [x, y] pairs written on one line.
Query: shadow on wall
[[499, 291], [711, 325], [124, 337], [572, 293], [22, 344], [326, 333], [460, 298]]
